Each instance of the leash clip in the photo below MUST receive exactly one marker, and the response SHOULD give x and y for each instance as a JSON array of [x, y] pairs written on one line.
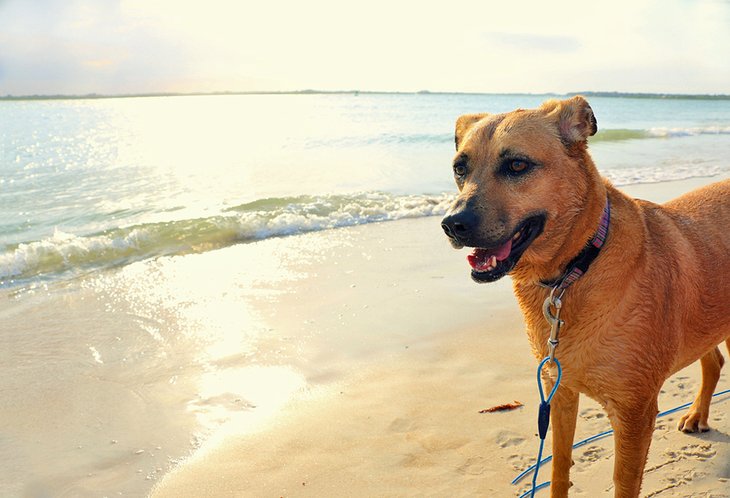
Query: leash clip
[[553, 301]]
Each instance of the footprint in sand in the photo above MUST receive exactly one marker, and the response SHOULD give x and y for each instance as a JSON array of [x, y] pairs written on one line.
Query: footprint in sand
[[473, 466], [507, 438], [676, 481], [685, 478], [592, 454], [694, 452], [445, 443], [700, 452], [414, 461], [683, 382], [592, 413], [434, 443], [401, 425], [520, 462]]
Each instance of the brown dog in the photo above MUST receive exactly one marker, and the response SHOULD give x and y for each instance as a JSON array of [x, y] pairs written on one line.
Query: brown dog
[[655, 299]]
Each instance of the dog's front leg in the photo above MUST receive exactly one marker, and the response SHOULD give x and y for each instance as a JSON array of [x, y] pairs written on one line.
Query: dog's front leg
[[563, 415], [633, 424]]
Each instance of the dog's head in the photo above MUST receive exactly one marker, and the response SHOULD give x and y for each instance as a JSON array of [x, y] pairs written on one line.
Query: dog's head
[[523, 177]]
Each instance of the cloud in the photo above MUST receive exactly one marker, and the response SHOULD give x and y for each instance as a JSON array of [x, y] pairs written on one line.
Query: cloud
[[78, 47], [124, 46], [532, 42]]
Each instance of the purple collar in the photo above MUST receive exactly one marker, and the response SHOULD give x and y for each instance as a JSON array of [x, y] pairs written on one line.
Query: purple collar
[[579, 265]]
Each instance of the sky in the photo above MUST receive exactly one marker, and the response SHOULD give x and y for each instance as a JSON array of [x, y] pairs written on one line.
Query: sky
[[141, 46]]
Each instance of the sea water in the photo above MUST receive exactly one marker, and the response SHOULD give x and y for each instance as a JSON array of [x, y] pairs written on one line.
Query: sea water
[[90, 184]]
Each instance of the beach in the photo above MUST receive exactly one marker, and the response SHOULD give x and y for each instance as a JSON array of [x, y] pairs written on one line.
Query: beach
[[192, 305], [223, 268], [408, 423]]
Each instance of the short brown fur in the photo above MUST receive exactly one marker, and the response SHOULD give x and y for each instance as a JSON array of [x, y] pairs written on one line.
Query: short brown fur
[[656, 299]]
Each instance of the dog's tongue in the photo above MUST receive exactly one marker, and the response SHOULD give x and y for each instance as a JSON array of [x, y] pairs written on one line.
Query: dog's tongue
[[480, 259]]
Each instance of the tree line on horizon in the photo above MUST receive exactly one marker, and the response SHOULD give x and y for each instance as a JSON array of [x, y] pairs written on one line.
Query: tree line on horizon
[[637, 95]]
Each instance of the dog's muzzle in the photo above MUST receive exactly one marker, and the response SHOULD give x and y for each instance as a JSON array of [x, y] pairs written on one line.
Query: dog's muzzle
[[491, 259], [460, 226]]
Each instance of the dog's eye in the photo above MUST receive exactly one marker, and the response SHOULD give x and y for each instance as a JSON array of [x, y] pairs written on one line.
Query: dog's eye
[[518, 166], [460, 169]]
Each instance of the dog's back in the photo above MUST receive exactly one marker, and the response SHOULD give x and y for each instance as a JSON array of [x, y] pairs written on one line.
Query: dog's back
[[709, 210]]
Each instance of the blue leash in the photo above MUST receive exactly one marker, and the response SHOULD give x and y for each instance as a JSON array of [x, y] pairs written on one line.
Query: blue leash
[[540, 461], [543, 421]]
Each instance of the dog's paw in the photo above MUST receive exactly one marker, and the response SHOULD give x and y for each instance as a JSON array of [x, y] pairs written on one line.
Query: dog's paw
[[694, 420]]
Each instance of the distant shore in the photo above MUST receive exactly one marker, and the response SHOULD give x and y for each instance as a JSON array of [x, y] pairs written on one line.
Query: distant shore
[[635, 95]]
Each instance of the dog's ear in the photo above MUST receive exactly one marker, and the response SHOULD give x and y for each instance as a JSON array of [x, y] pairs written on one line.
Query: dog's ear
[[464, 123], [575, 119]]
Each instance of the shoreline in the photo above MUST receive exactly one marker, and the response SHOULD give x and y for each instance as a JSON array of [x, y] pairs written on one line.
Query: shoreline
[[408, 421]]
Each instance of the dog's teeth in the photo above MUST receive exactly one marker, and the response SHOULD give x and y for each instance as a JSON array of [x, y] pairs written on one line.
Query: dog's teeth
[[517, 235], [493, 262]]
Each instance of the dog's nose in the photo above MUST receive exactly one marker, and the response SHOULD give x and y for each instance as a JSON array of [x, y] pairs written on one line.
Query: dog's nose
[[459, 226]]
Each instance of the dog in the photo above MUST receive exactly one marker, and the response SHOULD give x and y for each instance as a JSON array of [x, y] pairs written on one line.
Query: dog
[[654, 298]]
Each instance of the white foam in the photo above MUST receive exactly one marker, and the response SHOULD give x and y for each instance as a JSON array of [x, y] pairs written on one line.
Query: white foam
[[689, 132], [64, 251], [327, 212], [632, 176]]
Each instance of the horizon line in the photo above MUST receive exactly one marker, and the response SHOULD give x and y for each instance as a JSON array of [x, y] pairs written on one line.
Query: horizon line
[[620, 94]]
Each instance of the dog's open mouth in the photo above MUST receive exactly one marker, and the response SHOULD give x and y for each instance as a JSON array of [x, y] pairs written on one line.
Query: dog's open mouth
[[490, 264]]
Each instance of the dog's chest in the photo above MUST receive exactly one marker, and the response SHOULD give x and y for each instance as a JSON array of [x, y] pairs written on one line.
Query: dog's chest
[[579, 353]]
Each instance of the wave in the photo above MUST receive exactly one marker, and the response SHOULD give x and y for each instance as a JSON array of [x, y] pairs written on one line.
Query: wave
[[605, 135], [659, 174], [689, 132], [618, 135], [615, 135], [275, 217]]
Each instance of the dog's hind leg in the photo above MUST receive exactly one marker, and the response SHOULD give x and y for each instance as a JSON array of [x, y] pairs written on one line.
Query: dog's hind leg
[[696, 417]]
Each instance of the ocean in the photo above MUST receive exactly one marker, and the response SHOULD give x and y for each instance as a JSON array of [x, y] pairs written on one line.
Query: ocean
[[174, 266], [87, 185]]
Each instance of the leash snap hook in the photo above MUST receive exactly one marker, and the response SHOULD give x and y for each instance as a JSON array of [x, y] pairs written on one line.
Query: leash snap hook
[[553, 301]]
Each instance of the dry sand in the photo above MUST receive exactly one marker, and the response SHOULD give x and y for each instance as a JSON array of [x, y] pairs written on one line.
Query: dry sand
[[408, 423]]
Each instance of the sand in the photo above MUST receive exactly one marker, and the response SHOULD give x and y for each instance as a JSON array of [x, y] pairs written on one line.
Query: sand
[[400, 414]]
